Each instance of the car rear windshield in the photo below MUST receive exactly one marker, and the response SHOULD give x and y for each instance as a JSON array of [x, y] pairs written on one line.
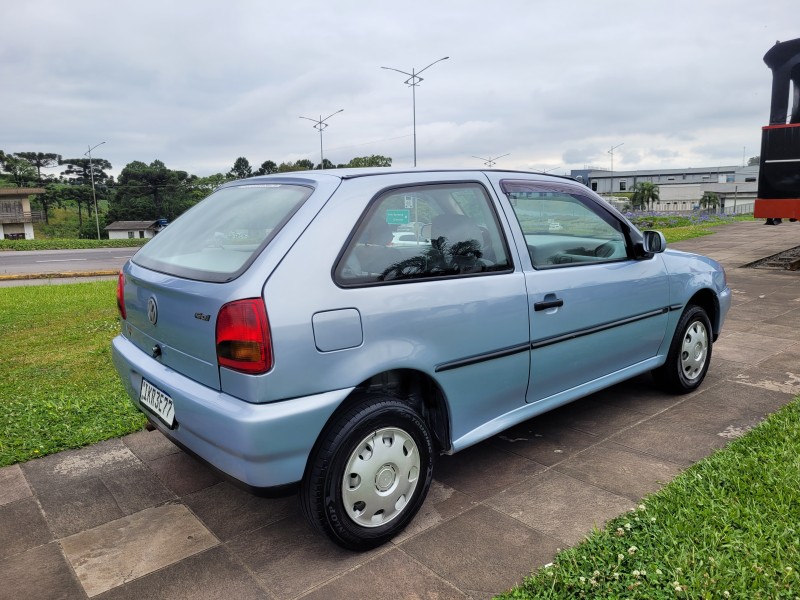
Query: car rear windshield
[[218, 239]]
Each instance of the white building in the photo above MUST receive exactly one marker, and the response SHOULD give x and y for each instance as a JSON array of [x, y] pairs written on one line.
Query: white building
[[16, 217], [129, 230], [682, 189]]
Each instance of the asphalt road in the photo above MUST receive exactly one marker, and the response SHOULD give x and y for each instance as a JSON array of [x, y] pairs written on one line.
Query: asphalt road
[[59, 261]]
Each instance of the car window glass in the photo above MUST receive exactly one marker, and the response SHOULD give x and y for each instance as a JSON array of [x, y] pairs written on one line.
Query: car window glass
[[217, 239], [563, 228], [423, 232]]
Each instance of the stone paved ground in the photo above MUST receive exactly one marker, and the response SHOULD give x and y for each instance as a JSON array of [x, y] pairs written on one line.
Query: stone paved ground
[[137, 518]]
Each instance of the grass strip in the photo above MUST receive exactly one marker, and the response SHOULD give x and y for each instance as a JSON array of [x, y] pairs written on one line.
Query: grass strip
[[727, 527], [58, 388]]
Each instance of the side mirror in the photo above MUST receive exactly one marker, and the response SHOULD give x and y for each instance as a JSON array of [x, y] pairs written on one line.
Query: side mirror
[[654, 242]]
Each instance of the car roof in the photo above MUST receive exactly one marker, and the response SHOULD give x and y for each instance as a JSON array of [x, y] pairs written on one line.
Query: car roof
[[351, 173]]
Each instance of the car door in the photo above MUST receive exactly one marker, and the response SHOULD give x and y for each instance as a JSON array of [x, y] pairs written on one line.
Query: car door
[[595, 311]]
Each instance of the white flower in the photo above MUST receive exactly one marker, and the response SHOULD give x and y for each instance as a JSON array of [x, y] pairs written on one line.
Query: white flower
[[632, 550], [636, 573], [628, 526], [642, 507]]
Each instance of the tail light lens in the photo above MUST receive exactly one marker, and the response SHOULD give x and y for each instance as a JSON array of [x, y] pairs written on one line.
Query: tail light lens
[[243, 339], [121, 296]]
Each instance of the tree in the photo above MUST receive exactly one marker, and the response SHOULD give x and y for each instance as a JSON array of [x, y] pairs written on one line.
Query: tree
[[51, 197], [753, 161], [266, 168], [40, 160], [644, 194], [376, 160], [326, 164], [150, 192], [80, 170], [22, 172], [241, 169], [709, 200], [304, 165]]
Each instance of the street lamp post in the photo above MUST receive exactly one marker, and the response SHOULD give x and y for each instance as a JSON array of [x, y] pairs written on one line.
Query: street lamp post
[[611, 152], [94, 196], [320, 124], [413, 81], [489, 162]]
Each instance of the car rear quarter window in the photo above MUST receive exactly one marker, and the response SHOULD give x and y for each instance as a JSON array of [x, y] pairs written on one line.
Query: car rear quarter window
[[422, 232], [217, 239]]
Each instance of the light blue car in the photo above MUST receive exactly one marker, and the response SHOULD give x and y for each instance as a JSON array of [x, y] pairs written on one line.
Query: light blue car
[[276, 331]]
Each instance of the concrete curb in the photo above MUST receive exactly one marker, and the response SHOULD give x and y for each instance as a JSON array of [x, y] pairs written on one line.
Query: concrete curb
[[59, 275]]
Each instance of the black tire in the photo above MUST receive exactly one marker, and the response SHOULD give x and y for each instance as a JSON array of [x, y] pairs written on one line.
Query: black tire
[[369, 473], [689, 353]]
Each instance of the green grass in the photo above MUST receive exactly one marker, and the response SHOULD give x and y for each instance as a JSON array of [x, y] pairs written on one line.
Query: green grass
[[58, 389], [68, 244], [728, 527]]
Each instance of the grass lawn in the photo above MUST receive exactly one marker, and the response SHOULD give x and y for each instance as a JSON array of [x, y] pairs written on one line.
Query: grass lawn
[[58, 389], [728, 527]]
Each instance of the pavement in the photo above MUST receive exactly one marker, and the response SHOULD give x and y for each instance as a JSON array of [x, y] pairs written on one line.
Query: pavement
[[136, 517]]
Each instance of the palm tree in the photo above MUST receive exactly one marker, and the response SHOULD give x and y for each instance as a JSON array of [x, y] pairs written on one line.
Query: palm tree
[[709, 200], [644, 194]]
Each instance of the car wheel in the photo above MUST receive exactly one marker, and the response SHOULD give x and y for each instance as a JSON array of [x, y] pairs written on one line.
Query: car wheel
[[689, 353], [369, 473]]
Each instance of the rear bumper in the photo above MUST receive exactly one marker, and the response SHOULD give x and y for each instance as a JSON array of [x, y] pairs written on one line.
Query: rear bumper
[[259, 445]]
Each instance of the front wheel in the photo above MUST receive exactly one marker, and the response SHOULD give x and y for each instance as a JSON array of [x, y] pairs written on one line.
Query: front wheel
[[369, 473], [689, 354]]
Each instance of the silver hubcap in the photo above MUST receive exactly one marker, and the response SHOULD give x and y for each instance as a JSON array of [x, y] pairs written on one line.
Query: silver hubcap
[[694, 350], [380, 477]]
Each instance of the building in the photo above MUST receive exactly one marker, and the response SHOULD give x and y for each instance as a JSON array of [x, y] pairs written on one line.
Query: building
[[682, 189], [129, 230], [16, 217]]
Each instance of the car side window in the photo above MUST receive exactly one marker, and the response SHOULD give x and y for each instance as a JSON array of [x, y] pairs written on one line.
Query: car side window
[[564, 228], [422, 232]]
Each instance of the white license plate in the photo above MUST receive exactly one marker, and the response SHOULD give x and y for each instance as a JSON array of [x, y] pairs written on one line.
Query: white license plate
[[158, 402]]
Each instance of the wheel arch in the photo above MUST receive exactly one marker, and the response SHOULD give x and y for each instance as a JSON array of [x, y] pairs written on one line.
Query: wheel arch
[[414, 387], [708, 301]]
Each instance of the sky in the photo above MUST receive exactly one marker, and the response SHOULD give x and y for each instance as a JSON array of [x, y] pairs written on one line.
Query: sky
[[536, 85]]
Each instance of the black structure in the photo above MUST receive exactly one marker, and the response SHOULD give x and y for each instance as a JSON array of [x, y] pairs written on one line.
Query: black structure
[[779, 173]]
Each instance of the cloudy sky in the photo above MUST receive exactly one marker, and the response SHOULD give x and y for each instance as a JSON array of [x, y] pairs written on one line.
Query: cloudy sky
[[554, 85]]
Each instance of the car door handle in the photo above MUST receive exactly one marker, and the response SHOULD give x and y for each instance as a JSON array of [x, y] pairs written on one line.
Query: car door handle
[[545, 304]]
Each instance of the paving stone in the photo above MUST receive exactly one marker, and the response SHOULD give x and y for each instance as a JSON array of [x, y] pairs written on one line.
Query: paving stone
[[621, 471], [71, 466], [133, 546], [13, 485], [228, 511], [183, 474], [593, 417], [443, 503], [564, 508], [22, 527], [78, 506], [390, 575], [544, 443], [41, 573], [483, 470], [136, 488], [482, 551], [149, 445], [209, 575], [289, 558], [672, 441]]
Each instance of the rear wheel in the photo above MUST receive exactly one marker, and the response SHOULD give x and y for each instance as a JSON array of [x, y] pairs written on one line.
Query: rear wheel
[[689, 353], [369, 474]]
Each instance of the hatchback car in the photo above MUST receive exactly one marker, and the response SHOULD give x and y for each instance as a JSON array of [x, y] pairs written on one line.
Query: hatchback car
[[276, 331]]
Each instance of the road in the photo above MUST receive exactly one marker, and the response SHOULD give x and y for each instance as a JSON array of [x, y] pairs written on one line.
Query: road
[[63, 261]]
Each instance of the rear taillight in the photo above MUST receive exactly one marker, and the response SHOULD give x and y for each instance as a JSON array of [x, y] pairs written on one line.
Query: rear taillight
[[243, 340], [121, 295]]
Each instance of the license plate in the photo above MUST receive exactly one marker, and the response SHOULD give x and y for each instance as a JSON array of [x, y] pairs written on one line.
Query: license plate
[[157, 402]]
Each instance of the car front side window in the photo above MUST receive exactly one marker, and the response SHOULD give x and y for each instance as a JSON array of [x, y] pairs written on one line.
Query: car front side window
[[564, 228], [424, 232]]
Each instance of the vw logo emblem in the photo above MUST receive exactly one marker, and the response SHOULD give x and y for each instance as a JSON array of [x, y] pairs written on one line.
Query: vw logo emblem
[[152, 310]]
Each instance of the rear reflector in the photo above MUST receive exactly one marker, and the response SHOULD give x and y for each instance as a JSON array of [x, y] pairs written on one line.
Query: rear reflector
[[121, 296], [243, 340]]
